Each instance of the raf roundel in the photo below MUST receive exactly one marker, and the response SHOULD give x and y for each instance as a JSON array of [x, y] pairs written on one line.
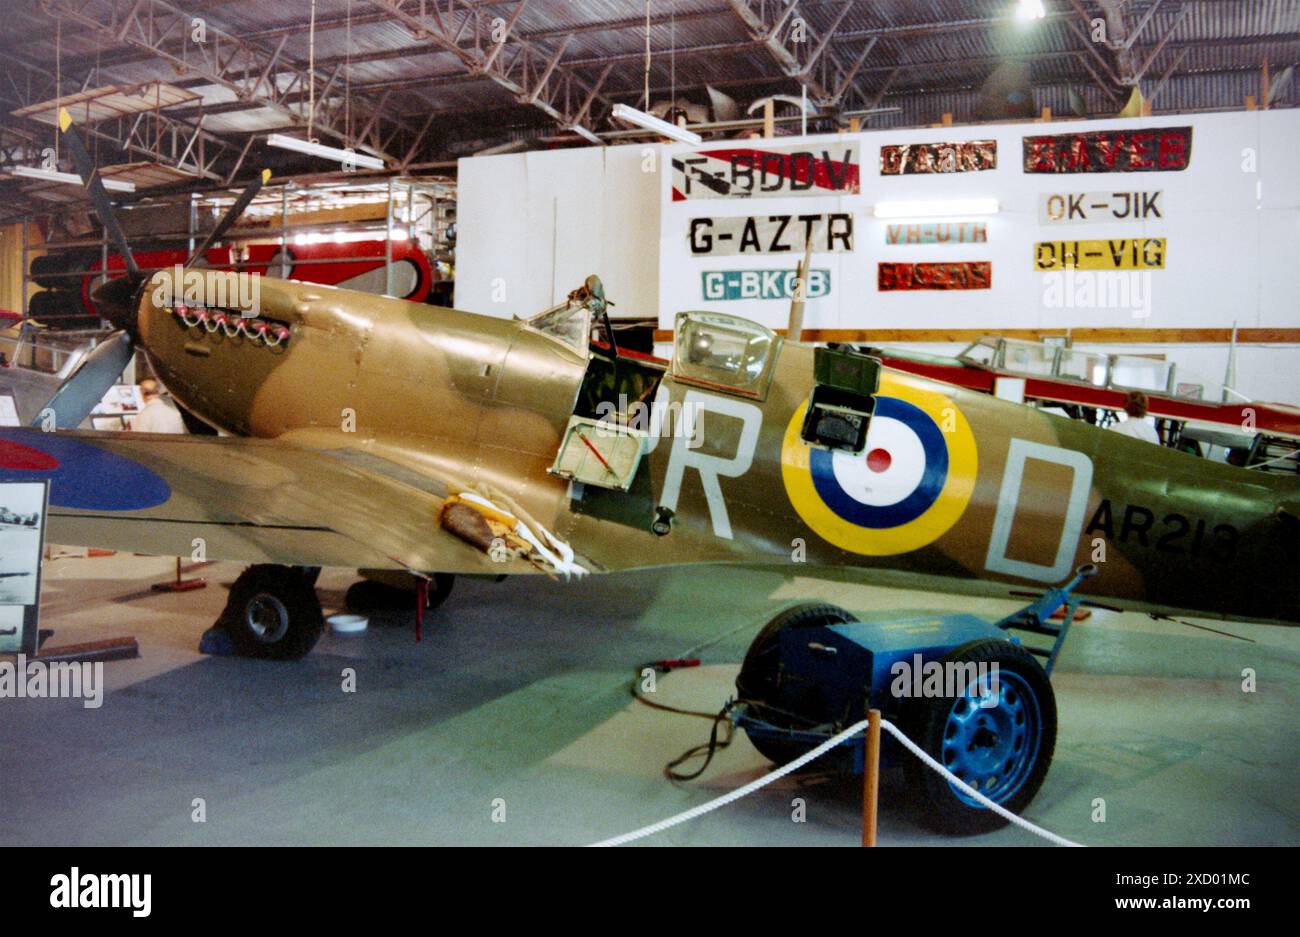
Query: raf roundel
[[908, 486], [82, 475]]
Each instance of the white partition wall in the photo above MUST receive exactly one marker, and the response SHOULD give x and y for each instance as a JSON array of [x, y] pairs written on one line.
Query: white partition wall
[[533, 226]]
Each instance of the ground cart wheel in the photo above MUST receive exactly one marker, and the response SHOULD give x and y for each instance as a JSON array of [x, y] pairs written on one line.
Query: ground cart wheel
[[998, 736], [273, 613], [760, 679]]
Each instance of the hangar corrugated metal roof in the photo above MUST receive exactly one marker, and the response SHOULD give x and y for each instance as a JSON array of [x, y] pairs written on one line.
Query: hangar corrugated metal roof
[[935, 56]]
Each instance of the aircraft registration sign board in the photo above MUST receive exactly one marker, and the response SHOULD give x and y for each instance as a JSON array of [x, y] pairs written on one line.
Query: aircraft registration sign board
[[721, 285], [927, 158], [1161, 149], [813, 169], [955, 232], [1092, 207], [1117, 254], [957, 275], [830, 232]]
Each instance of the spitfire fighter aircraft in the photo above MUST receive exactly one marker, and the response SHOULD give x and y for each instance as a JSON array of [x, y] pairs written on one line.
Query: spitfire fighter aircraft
[[417, 442]]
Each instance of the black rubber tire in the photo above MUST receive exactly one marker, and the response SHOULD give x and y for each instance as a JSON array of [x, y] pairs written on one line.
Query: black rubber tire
[[61, 311], [59, 304], [370, 596], [49, 270], [758, 680], [925, 720], [284, 593]]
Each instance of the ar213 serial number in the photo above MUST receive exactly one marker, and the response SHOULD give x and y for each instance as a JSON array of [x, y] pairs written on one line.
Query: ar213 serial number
[[1170, 535]]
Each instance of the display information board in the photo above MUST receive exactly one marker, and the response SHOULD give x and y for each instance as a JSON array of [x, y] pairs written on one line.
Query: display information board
[[22, 541]]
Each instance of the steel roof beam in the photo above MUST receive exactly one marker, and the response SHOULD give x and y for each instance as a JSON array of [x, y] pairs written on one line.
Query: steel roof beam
[[142, 135], [489, 47], [261, 76]]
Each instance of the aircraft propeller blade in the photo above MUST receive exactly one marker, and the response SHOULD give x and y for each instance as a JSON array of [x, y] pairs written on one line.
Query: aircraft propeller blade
[[98, 196], [78, 395], [232, 214]]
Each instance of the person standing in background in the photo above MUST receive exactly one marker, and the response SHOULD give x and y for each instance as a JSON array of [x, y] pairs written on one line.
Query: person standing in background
[[159, 414], [1137, 425]]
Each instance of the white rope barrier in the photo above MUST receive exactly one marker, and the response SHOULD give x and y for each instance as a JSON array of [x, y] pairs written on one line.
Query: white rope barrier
[[739, 792], [823, 748]]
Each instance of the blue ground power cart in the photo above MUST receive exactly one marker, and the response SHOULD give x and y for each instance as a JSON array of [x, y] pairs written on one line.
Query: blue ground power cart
[[962, 687]]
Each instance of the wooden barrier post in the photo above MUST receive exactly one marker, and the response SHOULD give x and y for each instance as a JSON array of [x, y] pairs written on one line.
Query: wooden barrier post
[[871, 778]]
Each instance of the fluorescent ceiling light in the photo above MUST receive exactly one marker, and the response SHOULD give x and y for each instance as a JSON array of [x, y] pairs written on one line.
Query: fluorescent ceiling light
[[946, 208], [632, 116], [1031, 10], [586, 134], [71, 178], [325, 152]]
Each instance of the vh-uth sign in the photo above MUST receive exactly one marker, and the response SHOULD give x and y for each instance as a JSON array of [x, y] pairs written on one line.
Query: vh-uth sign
[[720, 285]]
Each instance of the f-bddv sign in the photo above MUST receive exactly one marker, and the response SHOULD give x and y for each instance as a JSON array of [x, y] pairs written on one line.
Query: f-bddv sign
[[770, 172]]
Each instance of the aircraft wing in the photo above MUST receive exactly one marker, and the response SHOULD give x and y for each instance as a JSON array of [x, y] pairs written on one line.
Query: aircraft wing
[[249, 500]]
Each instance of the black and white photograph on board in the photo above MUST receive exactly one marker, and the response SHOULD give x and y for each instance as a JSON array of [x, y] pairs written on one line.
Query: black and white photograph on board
[[22, 513]]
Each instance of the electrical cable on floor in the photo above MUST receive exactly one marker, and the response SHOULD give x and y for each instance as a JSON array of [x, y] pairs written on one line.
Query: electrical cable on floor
[[709, 748], [722, 717]]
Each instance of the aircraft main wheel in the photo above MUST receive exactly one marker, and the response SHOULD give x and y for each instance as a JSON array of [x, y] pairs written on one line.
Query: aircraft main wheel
[[273, 613], [997, 737], [371, 596], [759, 680]]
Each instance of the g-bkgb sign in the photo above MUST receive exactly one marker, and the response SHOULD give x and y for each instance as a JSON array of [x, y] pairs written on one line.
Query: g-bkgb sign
[[762, 284]]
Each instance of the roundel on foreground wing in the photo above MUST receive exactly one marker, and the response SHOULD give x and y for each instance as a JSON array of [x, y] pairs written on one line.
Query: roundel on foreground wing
[[82, 476], [908, 486]]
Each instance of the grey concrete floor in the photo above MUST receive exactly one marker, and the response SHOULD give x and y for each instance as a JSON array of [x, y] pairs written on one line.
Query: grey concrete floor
[[517, 696]]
